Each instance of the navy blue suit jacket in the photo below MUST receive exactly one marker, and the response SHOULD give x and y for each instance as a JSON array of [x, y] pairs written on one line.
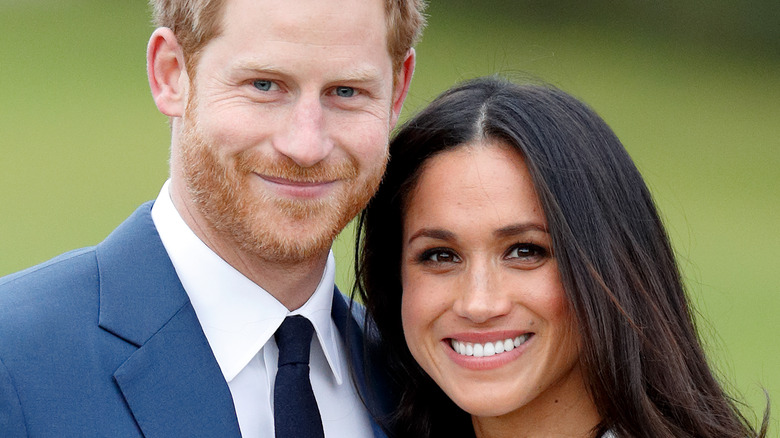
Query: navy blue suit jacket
[[103, 341]]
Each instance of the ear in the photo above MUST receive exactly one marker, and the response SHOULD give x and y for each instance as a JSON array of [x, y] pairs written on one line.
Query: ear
[[167, 74], [401, 89]]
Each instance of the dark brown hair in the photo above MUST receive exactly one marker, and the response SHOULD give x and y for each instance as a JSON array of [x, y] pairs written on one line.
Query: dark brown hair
[[640, 352]]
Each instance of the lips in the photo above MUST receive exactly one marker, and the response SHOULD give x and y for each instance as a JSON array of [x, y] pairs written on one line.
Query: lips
[[487, 349], [299, 188], [298, 183]]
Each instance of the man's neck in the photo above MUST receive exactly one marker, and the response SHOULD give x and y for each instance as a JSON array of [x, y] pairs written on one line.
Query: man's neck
[[291, 283]]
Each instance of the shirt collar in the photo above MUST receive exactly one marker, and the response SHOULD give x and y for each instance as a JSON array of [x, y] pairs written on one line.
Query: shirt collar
[[238, 317]]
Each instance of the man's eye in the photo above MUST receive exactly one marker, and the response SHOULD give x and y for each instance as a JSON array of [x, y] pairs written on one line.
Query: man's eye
[[345, 91], [264, 85]]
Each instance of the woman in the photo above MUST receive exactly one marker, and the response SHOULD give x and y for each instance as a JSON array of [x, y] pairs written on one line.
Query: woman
[[516, 269]]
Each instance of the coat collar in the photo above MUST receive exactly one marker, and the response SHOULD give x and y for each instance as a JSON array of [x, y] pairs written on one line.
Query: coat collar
[[370, 380], [172, 383]]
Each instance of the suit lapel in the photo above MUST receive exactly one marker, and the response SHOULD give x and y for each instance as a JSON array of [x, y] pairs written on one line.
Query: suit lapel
[[172, 383], [174, 386], [371, 382]]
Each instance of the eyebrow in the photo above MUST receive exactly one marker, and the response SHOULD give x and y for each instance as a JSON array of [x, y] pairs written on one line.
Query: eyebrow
[[433, 233], [362, 74], [359, 74], [507, 231], [250, 65], [515, 229]]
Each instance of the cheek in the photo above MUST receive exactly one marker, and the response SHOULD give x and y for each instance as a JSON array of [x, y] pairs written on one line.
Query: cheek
[[237, 126], [418, 310], [229, 136], [550, 301], [425, 304], [556, 307], [371, 157], [561, 318], [366, 141], [411, 315], [547, 299]]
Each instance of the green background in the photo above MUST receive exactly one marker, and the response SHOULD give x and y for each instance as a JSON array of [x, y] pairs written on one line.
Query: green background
[[692, 89]]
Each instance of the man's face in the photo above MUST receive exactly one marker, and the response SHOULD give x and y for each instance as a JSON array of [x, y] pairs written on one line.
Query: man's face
[[284, 138]]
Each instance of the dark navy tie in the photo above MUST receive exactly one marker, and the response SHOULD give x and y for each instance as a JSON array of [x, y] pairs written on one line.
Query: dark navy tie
[[295, 410]]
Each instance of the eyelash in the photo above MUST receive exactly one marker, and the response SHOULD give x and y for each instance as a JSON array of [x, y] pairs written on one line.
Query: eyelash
[[355, 91], [525, 252], [427, 256], [535, 250], [334, 91], [255, 83]]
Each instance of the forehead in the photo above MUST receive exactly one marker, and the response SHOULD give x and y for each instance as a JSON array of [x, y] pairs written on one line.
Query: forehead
[[314, 22], [306, 41], [480, 183]]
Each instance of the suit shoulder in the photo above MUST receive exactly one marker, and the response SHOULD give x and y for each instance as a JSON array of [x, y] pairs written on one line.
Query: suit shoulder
[[357, 311], [54, 288], [12, 419], [51, 272]]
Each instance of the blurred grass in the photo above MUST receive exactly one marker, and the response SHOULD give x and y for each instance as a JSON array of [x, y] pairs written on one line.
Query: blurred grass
[[693, 95], [82, 143]]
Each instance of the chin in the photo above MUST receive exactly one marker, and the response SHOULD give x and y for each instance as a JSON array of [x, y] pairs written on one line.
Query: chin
[[288, 247], [485, 410], [484, 407]]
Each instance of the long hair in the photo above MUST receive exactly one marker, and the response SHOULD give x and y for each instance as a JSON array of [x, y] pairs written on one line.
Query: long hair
[[640, 352]]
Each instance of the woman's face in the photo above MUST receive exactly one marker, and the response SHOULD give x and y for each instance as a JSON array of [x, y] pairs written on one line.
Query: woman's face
[[484, 310]]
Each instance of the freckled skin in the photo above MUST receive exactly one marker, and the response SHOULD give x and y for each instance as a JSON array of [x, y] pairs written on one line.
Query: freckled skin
[[463, 272], [284, 135]]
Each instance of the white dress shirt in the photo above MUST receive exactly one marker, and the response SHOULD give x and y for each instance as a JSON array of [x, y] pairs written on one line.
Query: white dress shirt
[[239, 319]]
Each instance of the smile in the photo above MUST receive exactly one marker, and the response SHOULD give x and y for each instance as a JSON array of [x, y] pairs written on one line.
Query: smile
[[289, 182], [298, 189], [488, 348]]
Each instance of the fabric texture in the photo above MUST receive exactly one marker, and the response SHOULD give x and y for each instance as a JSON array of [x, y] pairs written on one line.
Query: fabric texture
[[103, 341], [295, 408], [239, 319]]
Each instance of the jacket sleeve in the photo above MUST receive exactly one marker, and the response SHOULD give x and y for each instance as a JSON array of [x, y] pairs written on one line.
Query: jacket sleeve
[[11, 416]]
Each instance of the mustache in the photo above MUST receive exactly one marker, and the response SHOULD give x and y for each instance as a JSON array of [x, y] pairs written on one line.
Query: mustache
[[285, 168]]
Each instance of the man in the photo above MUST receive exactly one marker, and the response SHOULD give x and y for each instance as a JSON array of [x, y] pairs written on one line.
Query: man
[[280, 112]]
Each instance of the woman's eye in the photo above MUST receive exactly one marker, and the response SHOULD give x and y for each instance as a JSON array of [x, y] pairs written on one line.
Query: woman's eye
[[439, 255], [526, 251], [264, 85], [345, 91]]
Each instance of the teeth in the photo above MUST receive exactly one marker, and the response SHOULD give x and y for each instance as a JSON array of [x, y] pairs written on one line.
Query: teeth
[[509, 345], [488, 348]]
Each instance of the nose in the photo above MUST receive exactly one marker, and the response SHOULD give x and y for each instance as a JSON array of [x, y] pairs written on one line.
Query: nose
[[482, 297], [303, 137]]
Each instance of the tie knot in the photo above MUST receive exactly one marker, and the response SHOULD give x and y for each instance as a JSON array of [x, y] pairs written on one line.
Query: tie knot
[[294, 340]]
